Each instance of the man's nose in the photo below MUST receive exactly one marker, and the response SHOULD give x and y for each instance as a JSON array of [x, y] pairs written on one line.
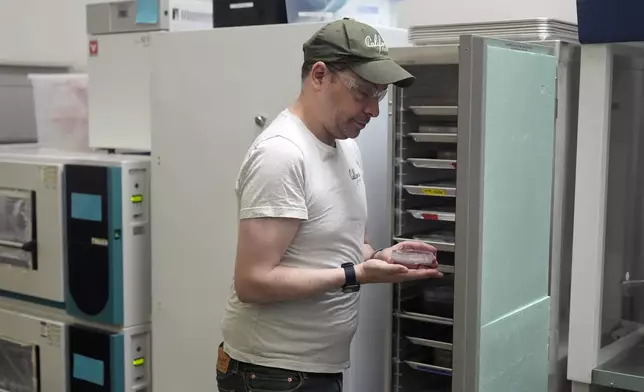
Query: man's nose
[[373, 108]]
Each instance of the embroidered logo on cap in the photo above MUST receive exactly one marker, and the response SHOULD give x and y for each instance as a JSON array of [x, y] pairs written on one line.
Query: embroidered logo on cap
[[376, 42]]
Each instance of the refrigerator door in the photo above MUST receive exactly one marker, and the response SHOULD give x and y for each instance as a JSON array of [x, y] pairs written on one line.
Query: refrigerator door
[[504, 178], [207, 108]]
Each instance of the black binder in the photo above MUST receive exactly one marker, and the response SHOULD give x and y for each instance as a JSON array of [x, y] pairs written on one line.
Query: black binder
[[228, 13]]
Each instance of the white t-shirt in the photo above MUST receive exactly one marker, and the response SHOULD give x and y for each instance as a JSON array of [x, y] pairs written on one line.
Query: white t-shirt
[[288, 172]]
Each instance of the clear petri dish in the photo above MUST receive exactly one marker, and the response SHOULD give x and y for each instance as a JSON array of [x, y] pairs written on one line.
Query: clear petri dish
[[412, 257]]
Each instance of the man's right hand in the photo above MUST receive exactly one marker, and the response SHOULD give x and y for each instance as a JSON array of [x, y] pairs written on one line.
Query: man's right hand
[[379, 271]]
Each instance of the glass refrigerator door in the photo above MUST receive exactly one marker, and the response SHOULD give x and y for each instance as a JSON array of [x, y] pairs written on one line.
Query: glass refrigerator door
[[504, 180]]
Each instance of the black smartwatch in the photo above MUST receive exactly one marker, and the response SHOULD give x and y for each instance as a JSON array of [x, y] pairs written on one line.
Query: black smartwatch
[[351, 284]]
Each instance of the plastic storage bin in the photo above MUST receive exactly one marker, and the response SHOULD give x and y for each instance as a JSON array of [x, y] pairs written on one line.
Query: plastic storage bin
[[606, 21], [61, 107], [373, 12]]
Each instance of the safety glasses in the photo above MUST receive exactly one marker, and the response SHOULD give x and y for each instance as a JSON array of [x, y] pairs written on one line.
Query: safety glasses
[[363, 90]]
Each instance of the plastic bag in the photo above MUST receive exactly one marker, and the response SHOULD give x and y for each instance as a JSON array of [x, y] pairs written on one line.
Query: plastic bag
[[15, 215], [61, 105], [16, 226]]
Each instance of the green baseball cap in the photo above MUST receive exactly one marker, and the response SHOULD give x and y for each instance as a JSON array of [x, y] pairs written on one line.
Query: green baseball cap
[[361, 48]]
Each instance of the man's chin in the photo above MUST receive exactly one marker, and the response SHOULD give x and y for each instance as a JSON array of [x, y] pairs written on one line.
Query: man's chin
[[353, 132]]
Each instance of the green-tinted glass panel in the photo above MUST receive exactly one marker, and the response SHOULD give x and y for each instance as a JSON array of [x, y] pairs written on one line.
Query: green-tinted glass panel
[[518, 172], [518, 159], [514, 351]]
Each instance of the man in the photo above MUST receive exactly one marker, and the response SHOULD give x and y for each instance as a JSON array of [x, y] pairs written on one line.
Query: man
[[302, 249]]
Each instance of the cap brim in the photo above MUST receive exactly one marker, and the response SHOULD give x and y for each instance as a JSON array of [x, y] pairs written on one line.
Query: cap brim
[[384, 72]]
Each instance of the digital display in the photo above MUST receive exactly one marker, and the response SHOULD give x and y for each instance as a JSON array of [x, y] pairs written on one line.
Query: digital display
[[87, 207], [88, 369]]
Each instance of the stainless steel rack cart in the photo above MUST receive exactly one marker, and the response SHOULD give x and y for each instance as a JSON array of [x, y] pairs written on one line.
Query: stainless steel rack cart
[[481, 166]]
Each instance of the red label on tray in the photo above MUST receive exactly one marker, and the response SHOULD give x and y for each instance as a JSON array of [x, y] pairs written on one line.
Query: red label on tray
[[430, 216]]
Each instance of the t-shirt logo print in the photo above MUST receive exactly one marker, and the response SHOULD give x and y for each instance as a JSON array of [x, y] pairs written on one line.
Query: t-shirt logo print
[[376, 42], [353, 174]]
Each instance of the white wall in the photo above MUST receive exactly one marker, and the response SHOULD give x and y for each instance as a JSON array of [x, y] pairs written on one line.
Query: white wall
[[427, 12]]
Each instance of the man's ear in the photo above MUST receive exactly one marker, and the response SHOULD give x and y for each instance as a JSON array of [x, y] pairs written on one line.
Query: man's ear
[[318, 72]]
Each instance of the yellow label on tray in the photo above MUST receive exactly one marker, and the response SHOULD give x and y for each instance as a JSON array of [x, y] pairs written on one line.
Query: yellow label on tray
[[434, 192]]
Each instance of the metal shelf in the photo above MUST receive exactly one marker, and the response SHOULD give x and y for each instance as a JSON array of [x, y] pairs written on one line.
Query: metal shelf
[[433, 137], [440, 189], [423, 367], [425, 318], [430, 343], [448, 164], [446, 269], [438, 236], [437, 129], [434, 214], [434, 110], [425, 162]]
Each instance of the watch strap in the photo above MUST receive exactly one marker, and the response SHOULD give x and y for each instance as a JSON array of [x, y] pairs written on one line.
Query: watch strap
[[350, 274]]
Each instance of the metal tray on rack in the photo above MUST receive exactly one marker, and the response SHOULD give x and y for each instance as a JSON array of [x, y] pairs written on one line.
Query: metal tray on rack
[[434, 214], [446, 269], [430, 343], [425, 318], [437, 129], [434, 110], [423, 367], [433, 163], [433, 137], [436, 303], [439, 244], [435, 189], [437, 236]]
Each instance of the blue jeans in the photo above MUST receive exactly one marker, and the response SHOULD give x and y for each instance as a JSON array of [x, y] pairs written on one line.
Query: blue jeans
[[235, 376]]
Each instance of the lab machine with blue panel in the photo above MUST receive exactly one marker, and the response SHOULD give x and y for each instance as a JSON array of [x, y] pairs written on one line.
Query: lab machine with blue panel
[[76, 232], [46, 350], [108, 361], [108, 243]]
